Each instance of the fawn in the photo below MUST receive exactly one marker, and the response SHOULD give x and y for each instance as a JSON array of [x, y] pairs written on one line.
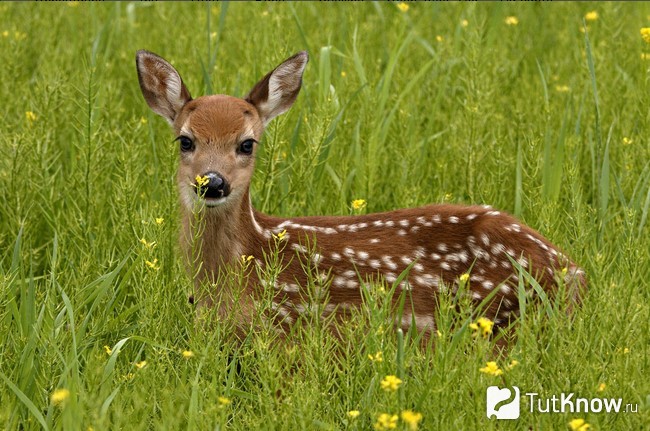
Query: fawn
[[218, 137]]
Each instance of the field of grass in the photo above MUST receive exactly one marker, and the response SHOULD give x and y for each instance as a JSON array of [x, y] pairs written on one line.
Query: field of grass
[[400, 107]]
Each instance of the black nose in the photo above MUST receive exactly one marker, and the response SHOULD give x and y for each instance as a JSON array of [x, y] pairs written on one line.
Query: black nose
[[216, 187]]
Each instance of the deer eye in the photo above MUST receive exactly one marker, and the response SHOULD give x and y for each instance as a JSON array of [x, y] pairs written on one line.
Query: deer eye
[[246, 147], [187, 144]]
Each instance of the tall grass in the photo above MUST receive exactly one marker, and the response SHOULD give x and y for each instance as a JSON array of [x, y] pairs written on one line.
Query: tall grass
[[546, 118]]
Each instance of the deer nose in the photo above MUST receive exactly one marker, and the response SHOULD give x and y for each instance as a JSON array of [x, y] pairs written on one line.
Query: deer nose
[[216, 186]]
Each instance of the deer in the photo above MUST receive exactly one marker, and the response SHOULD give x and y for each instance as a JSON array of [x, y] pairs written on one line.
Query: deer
[[438, 247]]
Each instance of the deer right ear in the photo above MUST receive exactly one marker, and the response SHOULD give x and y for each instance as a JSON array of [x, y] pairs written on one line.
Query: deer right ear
[[161, 85]]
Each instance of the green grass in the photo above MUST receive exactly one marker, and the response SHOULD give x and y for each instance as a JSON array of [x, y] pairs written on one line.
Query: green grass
[[534, 118]]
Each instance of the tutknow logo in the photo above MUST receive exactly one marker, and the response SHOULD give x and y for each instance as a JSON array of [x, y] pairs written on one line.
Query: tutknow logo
[[504, 403]]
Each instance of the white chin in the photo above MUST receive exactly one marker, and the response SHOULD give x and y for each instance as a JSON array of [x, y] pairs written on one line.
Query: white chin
[[214, 202]]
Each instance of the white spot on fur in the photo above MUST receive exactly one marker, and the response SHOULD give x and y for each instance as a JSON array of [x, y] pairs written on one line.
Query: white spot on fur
[[374, 263], [348, 252], [336, 256], [498, 249], [453, 219], [406, 260], [418, 267], [362, 255], [378, 223], [436, 218], [404, 223], [374, 241], [390, 223], [401, 232], [388, 261], [487, 285], [445, 266], [485, 239], [471, 217], [442, 247], [435, 256]]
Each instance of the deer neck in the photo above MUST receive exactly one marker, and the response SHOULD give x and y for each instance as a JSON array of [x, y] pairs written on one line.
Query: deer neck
[[219, 236]]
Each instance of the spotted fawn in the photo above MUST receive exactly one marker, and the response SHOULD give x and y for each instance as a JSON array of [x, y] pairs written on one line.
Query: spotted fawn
[[218, 136]]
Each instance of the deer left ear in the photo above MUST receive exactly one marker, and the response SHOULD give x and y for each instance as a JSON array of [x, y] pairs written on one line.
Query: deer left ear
[[276, 92]]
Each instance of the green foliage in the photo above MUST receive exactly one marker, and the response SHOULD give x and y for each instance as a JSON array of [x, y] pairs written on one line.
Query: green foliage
[[441, 102]]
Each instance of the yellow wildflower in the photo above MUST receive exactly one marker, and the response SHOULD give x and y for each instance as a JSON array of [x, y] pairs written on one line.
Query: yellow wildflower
[[579, 425], [511, 20], [187, 354], [601, 387], [153, 265], [464, 23], [377, 357], [645, 56], [160, 220], [402, 6], [358, 204], [280, 236], [143, 120], [60, 396], [464, 277], [562, 88], [5, 33], [591, 16], [140, 365], [201, 180], [385, 422], [343, 74], [411, 418], [353, 414], [108, 350], [147, 244], [439, 38], [492, 369], [391, 383], [30, 116], [626, 351], [483, 324], [223, 401], [645, 34], [627, 141]]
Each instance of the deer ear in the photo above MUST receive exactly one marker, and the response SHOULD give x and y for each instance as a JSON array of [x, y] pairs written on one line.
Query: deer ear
[[161, 85], [277, 91]]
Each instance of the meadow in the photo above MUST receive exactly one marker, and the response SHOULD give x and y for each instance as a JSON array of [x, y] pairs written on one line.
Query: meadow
[[541, 110]]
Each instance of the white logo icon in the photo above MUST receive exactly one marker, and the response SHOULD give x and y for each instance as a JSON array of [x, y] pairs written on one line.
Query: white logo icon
[[502, 403]]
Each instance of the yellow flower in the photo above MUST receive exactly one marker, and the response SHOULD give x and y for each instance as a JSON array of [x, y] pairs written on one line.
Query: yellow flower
[[439, 38], [160, 220], [626, 351], [562, 88], [601, 387], [280, 236], [353, 414], [108, 350], [223, 401], [464, 277], [645, 34], [147, 244], [60, 396], [390, 383], [343, 74], [385, 422], [645, 56], [358, 204], [143, 120], [627, 141], [591, 16], [402, 6], [201, 180], [411, 418], [245, 259], [153, 265], [483, 324], [492, 369], [464, 23], [377, 357], [579, 425], [511, 20], [5, 33], [30, 116], [187, 354], [140, 365]]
